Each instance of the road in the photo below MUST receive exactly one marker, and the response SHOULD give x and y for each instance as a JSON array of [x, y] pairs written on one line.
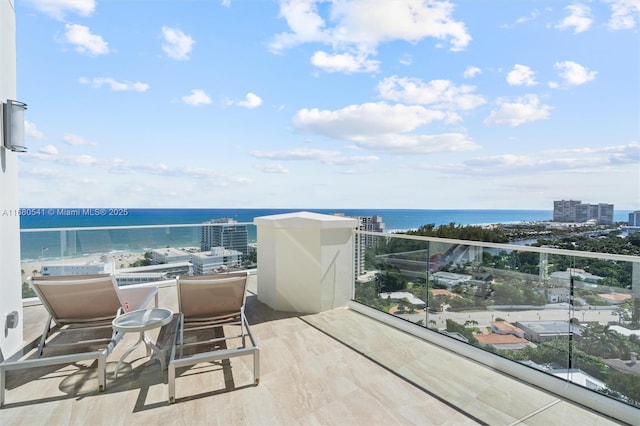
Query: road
[[484, 318]]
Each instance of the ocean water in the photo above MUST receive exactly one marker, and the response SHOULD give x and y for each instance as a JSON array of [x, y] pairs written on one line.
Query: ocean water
[[394, 219], [53, 244]]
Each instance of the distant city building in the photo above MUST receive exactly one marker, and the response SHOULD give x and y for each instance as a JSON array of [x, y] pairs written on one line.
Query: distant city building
[[544, 331], [78, 269], [169, 255], [224, 232], [370, 224], [363, 242], [449, 279], [140, 278], [575, 211], [578, 275], [169, 270], [123, 276], [398, 296], [634, 222], [216, 260], [503, 341]]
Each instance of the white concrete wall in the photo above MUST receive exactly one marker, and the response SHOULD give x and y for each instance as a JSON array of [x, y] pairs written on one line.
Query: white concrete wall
[[305, 261], [10, 277]]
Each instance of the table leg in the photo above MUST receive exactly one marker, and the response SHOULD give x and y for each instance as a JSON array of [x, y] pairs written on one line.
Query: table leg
[[159, 353], [140, 339]]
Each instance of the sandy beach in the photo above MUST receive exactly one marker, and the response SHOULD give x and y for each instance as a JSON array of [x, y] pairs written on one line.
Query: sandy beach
[[120, 260]]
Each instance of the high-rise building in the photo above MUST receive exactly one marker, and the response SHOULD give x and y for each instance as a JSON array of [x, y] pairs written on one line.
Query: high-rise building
[[565, 210], [575, 211], [224, 232], [634, 218], [363, 242]]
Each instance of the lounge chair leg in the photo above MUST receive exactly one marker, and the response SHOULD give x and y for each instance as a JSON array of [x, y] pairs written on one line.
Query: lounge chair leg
[[181, 328], [43, 339], [102, 373], [172, 384], [2, 379], [256, 367]]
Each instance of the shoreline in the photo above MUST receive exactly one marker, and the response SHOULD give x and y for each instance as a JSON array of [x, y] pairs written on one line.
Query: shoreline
[[120, 260]]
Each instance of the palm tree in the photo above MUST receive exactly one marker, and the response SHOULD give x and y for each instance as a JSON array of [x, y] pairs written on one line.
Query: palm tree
[[601, 340]]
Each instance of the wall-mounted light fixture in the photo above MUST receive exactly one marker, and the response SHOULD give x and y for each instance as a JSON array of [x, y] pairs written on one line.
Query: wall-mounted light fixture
[[13, 125]]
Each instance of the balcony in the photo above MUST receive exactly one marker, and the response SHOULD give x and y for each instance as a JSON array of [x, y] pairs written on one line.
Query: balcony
[[363, 362]]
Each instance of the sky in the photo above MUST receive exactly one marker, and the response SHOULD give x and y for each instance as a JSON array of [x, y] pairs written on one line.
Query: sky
[[393, 104]]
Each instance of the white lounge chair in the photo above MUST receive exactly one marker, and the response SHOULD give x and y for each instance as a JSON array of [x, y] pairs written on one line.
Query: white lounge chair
[[207, 303], [81, 309]]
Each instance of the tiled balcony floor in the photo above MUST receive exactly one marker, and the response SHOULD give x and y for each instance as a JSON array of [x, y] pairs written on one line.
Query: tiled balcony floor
[[334, 368]]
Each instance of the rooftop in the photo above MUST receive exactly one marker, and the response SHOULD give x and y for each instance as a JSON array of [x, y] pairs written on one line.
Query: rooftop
[[336, 367]]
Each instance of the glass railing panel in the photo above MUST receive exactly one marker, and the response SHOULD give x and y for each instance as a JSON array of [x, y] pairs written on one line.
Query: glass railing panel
[[135, 254], [570, 314], [391, 276]]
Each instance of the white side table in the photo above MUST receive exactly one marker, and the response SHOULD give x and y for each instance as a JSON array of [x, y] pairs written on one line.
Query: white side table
[[141, 321]]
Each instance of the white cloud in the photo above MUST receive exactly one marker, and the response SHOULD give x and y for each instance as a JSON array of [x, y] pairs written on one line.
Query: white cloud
[[580, 18], [76, 140], [523, 19], [177, 45], [626, 154], [48, 150], [79, 160], [471, 72], [251, 101], [523, 110], [510, 164], [31, 130], [352, 160], [366, 119], [323, 156], [521, 75], [619, 154], [84, 41], [295, 154], [344, 62], [305, 24], [371, 22], [624, 14], [115, 85], [406, 59], [442, 94], [408, 144], [361, 26], [379, 126], [57, 9], [274, 169], [44, 173], [583, 160], [197, 97], [574, 74]]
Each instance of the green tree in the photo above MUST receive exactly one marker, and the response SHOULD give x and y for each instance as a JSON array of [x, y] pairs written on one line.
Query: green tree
[[454, 327], [602, 341], [508, 294], [627, 385], [389, 281]]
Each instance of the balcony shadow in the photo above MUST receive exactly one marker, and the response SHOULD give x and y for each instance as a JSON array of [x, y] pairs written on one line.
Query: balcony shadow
[[257, 312]]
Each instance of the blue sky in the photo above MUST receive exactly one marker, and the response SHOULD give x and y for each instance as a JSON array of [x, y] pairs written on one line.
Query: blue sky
[[329, 104]]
